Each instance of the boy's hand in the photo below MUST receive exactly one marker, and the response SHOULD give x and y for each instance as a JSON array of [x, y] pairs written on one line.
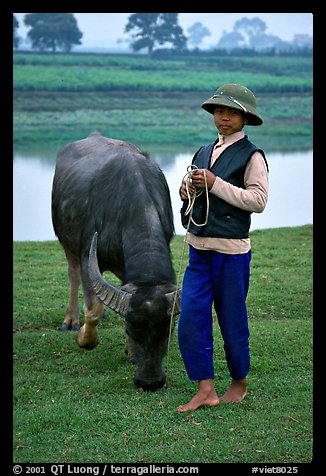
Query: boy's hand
[[198, 178], [183, 190]]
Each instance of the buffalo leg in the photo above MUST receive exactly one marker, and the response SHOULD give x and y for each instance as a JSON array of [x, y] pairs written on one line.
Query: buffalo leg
[[87, 336], [72, 320], [129, 351]]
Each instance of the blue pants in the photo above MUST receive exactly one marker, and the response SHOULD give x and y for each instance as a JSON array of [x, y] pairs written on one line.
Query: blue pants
[[223, 280]]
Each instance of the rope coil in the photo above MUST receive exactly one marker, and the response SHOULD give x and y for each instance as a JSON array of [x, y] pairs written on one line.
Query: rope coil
[[191, 199]]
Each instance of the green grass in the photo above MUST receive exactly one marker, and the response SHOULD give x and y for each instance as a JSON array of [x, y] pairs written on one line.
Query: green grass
[[54, 119], [62, 98], [88, 78], [84, 403], [276, 65]]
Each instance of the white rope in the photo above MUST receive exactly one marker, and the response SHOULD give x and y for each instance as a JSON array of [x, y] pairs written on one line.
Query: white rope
[[187, 178]]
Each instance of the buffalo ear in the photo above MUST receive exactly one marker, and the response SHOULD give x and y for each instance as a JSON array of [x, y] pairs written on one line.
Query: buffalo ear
[[110, 295]]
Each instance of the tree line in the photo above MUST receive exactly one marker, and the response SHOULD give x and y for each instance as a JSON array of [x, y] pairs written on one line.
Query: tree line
[[150, 31]]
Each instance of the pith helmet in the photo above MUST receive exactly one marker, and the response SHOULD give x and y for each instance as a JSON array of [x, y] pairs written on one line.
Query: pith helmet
[[237, 97]]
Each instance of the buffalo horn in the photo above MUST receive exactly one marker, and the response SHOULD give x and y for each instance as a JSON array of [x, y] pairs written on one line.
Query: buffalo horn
[[111, 296]]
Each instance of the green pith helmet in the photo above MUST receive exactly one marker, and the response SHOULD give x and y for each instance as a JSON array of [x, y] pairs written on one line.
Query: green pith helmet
[[237, 97]]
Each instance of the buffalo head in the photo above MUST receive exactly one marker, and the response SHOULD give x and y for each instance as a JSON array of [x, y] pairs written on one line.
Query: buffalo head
[[148, 311]]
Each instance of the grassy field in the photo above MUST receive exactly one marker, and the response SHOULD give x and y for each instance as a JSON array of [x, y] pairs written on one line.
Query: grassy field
[[86, 408], [61, 98]]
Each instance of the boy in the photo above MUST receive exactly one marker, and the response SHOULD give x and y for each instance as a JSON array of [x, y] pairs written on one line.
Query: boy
[[235, 172]]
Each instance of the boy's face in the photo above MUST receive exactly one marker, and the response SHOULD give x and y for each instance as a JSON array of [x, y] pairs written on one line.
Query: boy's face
[[229, 120]]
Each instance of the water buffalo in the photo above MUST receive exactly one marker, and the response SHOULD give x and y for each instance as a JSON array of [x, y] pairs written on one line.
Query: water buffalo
[[111, 211]]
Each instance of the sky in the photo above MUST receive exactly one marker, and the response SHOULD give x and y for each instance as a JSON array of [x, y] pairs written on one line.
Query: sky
[[104, 29]]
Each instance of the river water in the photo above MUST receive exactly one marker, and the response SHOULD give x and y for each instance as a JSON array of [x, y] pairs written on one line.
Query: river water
[[290, 195]]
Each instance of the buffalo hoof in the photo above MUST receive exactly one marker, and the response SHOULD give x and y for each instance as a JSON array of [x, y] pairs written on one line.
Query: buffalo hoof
[[86, 345], [65, 327], [87, 339], [133, 360], [89, 346]]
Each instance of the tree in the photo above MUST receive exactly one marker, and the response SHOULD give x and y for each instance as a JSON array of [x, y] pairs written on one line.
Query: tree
[[250, 27], [262, 42], [16, 39], [250, 33], [53, 31], [155, 28], [228, 41], [197, 32]]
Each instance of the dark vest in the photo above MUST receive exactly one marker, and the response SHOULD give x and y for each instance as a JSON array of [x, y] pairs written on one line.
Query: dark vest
[[224, 220]]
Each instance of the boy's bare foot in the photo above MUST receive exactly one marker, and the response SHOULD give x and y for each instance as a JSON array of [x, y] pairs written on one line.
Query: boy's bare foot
[[236, 392], [206, 395]]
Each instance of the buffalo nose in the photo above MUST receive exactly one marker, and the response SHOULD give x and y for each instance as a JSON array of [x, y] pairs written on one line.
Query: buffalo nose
[[150, 385]]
